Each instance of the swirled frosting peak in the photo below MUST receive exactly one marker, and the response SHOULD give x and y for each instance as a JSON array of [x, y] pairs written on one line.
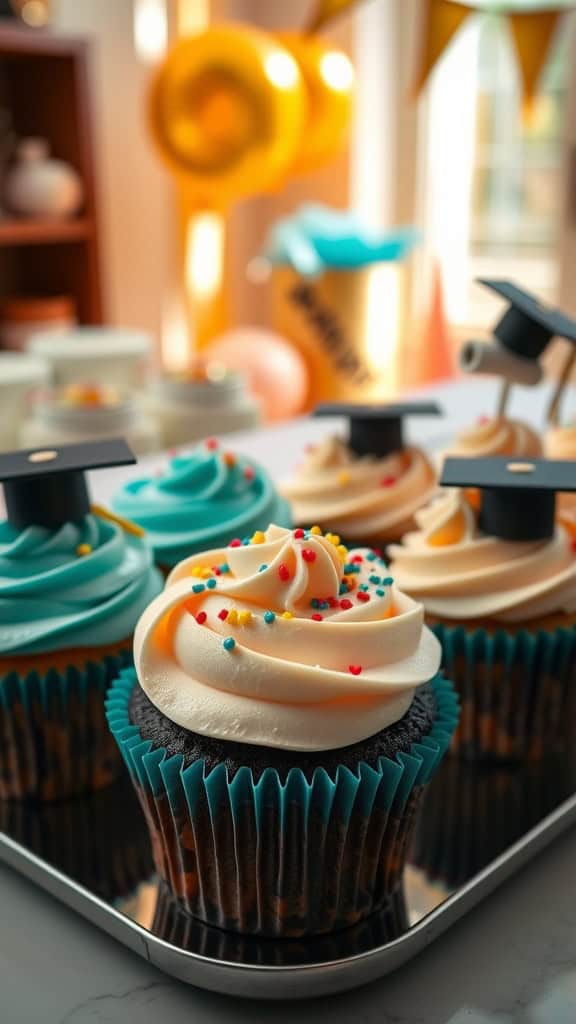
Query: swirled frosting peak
[[460, 573], [288, 641], [360, 496], [497, 435], [202, 499], [82, 585]]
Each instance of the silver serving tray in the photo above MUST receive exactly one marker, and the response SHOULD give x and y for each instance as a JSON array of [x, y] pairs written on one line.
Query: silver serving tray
[[127, 906]]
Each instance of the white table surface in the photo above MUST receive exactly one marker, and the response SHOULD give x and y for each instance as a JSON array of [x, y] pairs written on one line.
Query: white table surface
[[511, 960]]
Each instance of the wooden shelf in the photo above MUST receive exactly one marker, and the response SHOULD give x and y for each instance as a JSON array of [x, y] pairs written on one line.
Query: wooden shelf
[[43, 232]]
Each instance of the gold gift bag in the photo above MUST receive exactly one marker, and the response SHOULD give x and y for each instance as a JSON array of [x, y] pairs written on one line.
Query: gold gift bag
[[346, 324]]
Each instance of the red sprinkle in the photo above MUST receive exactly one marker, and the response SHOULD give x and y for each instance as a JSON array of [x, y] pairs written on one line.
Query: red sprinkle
[[308, 555], [333, 602], [249, 473], [388, 481], [223, 614], [355, 669], [201, 618], [211, 444], [317, 617], [363, 596], [346, 603], [216, 570], [298, 534], [236, 543], [377, 552], [283, 572], [356, 559], [482, 420]]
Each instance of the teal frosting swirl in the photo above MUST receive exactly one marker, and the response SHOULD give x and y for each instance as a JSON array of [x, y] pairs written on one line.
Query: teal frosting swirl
[[53, 598], [202, 500]]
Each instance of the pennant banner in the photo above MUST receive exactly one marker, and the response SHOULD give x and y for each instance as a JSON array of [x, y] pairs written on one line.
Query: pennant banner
[[326, 10], [532, 36]]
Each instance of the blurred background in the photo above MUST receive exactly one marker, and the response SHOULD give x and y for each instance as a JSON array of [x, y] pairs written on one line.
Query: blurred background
[[462, 131]]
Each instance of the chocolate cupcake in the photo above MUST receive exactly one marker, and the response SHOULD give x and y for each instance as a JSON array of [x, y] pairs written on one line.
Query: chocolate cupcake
[[203, 499], [279, 731], [73, 583], [497, 579]]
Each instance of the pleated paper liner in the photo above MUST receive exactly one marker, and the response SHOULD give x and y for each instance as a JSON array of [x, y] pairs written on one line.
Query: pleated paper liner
[[54, 738], [280, 858], [472, 813], [173, 924], [100, 840], [517, 691]]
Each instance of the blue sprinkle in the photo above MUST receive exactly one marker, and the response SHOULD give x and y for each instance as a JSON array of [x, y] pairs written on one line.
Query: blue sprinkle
[[371, 556], [229, 643], [263, 567], [314, 603], [323, 605], [388, 581], [375, 579], [211, 584], [363, 586], [343, 589], [351, 567], [198, 588], [269, 617], [245, 542], [225, 568], [380, 592]]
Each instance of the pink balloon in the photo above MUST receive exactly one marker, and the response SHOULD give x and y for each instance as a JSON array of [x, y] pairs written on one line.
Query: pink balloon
[[275, 371]]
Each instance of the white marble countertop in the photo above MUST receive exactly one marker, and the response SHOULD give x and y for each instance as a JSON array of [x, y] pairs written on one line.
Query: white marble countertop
[[511, 960]]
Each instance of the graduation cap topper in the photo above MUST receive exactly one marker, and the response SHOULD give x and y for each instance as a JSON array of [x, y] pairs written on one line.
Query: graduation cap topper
[[47, 486], [517, 497], [377, 429], [520, 337]]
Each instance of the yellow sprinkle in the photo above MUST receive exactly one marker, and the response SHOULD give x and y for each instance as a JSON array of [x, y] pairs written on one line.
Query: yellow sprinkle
[[125, 524], [287, 615], [229, 459], [344, 477], [342, 551], [196, 570], [244, 618], [258, 537], [316, 531], [83, 549], [206, 574], [232, 619], [333, 538]]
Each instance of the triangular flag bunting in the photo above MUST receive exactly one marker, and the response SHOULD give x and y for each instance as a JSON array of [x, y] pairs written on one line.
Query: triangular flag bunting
[[532, 33], [441, 21], [326, 10]]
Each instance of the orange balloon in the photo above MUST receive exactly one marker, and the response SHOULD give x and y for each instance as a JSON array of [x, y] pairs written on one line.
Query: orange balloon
[[329, 81], [227, 112]]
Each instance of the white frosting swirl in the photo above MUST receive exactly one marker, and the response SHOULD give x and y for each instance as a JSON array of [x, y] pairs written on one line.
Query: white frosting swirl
[[290, 682], [360, 496], [459, 573], [496, 435]]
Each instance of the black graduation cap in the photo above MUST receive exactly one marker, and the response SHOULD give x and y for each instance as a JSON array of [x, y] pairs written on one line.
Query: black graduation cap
[[518, 496], [377, 429], [528, 326], [47, 486]]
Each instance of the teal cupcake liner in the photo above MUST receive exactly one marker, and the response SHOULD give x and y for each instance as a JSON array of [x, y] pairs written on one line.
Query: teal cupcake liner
[[472, 813], [100, 840], [280, 859], [54, 738], [517, 691]]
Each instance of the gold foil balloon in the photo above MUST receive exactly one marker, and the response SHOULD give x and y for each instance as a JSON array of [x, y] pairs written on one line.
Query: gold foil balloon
[[227, 110], [329, 80]]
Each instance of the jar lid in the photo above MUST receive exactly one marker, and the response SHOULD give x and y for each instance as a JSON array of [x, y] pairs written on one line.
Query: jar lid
[[102, 343], [20, 369]]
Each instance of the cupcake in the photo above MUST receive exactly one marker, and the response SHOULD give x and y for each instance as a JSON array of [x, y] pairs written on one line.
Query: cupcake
[[497, 579], [73, 583], [203, 499], [281, 722], [369, 487]]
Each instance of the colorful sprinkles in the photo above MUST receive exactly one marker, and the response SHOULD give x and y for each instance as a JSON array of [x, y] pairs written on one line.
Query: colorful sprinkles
[[269, 618], [229, 643], [83, 549]]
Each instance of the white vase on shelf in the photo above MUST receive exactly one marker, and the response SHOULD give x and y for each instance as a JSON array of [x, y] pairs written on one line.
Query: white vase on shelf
[[39, 186]]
